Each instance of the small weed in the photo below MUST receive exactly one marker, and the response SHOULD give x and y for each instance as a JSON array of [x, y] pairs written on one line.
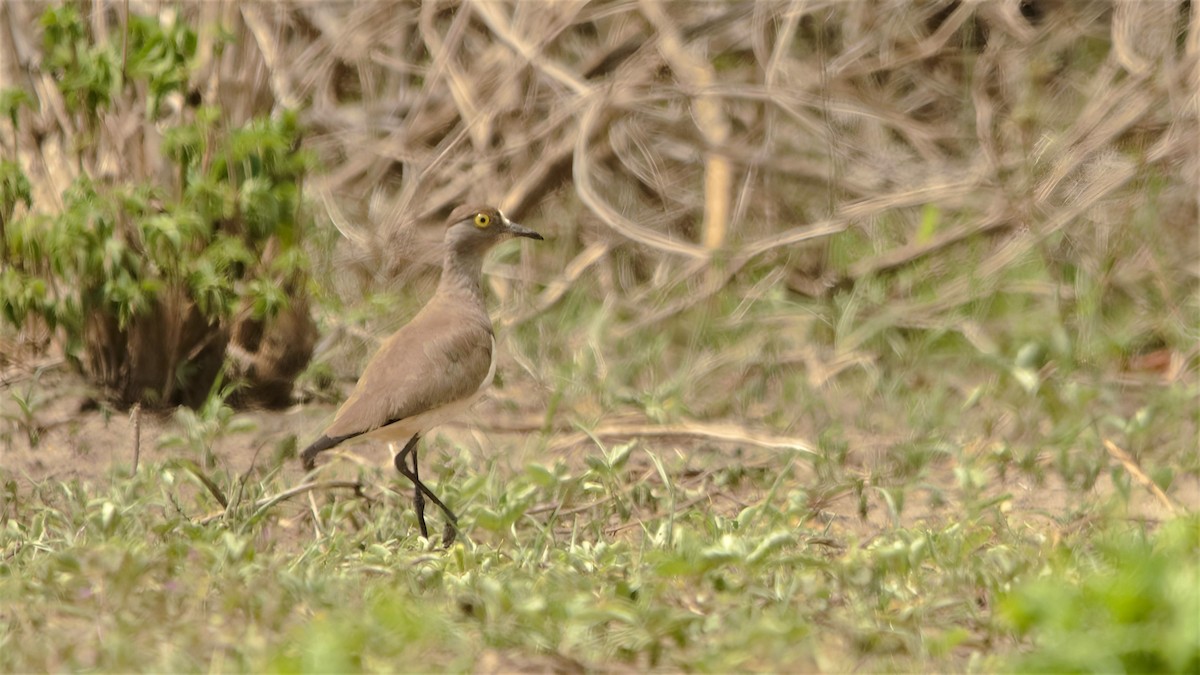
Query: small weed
[[200, 428], [26, 403]]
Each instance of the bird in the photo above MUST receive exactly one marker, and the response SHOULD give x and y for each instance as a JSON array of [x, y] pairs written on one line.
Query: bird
[[433, 367]]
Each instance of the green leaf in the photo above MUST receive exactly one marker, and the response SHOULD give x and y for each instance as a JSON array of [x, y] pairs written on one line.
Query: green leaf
[[211, 290], [267, 298], [229, 255], [931, 217], [12, 99]]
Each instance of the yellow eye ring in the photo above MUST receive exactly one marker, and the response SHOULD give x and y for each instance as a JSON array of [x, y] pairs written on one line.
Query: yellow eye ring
[[482, 220]]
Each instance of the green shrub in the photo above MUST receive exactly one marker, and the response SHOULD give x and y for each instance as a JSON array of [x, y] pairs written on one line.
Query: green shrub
[[150, 280]]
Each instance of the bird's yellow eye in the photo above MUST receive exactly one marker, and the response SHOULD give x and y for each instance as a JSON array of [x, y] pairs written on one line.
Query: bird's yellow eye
[[482, 220]]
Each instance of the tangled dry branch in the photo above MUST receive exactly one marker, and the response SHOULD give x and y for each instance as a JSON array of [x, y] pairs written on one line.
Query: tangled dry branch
[[681, 131]]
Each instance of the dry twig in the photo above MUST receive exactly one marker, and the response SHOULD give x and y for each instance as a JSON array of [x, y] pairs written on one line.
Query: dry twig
[[1135, 472], [724, 433], [304, 488]]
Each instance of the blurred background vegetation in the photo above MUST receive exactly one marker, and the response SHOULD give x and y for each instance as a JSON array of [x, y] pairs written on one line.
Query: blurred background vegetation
[[883, 314]]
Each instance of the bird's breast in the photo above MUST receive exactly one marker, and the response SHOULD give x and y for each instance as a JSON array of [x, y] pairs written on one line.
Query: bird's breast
[[491, 373], [400, 431]]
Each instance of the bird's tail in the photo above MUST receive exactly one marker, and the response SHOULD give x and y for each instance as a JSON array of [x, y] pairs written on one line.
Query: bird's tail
[[309, 456]]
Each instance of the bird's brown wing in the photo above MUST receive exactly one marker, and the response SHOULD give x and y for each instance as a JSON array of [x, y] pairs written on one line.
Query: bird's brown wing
[[437, 359]]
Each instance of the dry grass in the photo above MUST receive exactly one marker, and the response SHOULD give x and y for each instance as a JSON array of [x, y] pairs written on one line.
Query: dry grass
[[744, 130]]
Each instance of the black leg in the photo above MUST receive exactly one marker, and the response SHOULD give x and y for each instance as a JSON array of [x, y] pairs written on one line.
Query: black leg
[[402, 466], [451, 530], [418, 498]]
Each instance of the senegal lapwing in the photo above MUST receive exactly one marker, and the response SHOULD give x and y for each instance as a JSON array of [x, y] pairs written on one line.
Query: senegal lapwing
[[436, 365]]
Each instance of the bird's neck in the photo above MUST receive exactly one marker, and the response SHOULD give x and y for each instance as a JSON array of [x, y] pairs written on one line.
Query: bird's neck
[[462, 275]]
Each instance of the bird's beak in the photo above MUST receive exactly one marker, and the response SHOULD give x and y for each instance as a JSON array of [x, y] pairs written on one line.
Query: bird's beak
[[520, 230]]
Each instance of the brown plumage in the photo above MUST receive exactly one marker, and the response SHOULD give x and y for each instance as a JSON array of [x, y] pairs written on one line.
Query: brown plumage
[[434, 366], [443, 356]]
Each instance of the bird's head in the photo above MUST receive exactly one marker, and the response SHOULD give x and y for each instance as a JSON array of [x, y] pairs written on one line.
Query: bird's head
[[475, 229]]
